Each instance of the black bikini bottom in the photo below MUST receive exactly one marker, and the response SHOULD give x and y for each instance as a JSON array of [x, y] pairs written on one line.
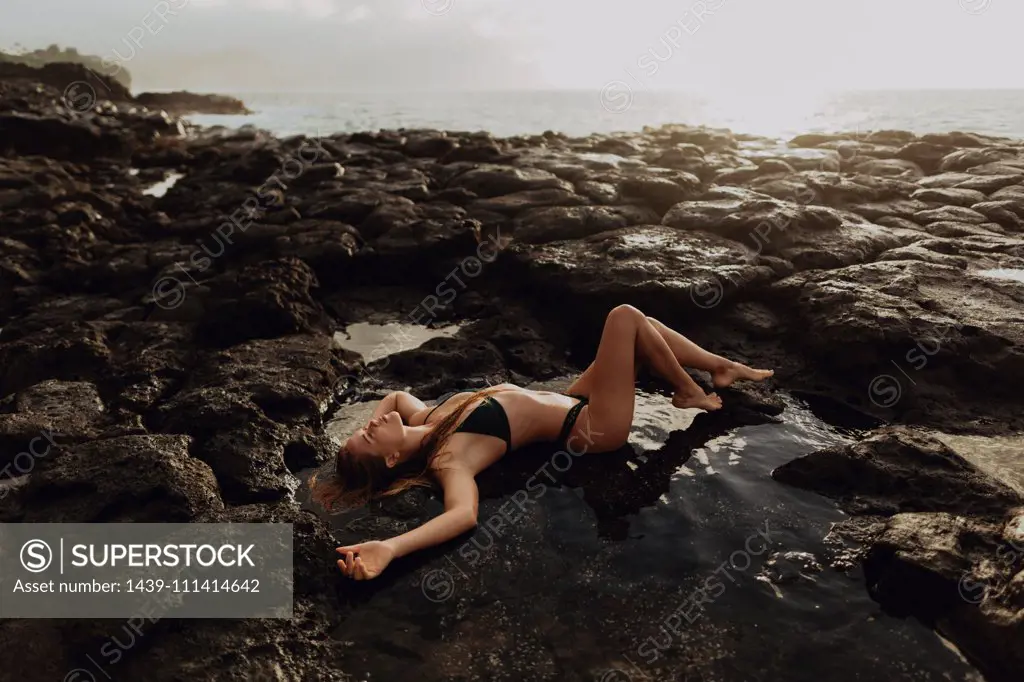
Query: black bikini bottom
[[570, 418]]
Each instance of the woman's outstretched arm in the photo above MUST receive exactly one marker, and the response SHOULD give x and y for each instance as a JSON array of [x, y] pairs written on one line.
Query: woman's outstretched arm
[[369, 559], [460, 507]]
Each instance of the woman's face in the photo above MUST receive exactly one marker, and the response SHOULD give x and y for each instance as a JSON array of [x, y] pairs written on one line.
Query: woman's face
[[380, 437]]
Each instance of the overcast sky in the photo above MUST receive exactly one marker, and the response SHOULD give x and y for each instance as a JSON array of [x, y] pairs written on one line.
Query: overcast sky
[[396, 45]]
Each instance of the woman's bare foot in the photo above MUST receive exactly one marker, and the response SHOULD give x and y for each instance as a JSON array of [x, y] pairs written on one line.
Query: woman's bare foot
[[735, 371], [709, 402]]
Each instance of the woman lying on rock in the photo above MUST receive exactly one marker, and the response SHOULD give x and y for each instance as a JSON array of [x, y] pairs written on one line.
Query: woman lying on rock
[[405, 443]]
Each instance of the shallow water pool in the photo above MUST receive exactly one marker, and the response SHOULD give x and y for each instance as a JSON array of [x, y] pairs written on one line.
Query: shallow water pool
[[161, 188], [376, 341], [677, 558]]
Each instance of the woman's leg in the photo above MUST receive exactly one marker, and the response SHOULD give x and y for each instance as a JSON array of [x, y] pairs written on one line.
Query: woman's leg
[[609, 381], [723, 372]]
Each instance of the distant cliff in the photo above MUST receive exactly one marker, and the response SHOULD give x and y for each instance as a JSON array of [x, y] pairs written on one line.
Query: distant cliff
[[68, 78], [82, 86], [55, 54]]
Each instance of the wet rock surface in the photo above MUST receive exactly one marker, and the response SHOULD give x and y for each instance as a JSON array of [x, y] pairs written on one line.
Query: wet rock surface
[[942, 538], [899, 470], [176, 343]]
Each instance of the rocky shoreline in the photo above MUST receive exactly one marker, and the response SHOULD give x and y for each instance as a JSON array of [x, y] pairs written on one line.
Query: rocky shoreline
[[83, 88], [187, 338]]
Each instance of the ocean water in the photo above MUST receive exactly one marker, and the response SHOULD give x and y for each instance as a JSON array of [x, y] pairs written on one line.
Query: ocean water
[[772, 114]]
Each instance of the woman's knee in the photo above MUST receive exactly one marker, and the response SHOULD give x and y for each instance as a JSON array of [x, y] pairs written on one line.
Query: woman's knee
[[626, 312]]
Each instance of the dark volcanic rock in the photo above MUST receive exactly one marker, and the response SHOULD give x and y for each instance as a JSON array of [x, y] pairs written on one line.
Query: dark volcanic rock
[[182, 102], [76, 352], [809, 236], [496, 181], [243, 447], [928, 155], [559, 223], [76, 140], [85, 483], [439, 366], [966, 159], [656, 268], [263, 301], [298, 648], [899, 208], [952, 550], [958, 214], [49, 413], [962, 575], [518, 202], [253, 407], [528, 347], [937, 323], [953, 197], [740, 219], [433, 145], [898, 470], [661, 194], [352, 205], [1006, 213]]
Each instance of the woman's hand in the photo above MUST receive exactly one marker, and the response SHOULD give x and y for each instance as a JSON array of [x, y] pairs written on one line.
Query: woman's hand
[[373, 557], [460, 502]]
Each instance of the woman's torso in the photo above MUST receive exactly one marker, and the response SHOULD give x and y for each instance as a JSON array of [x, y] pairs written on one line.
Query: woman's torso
[[533, 416]]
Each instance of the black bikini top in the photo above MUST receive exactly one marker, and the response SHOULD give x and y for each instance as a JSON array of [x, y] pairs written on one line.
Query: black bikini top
[[487, 419]]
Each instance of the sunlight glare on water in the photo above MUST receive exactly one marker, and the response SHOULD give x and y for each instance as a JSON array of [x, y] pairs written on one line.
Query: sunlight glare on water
[[769, 113]]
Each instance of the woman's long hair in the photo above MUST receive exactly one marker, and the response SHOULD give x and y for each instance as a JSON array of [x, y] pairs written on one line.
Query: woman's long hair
[[357, 480]]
